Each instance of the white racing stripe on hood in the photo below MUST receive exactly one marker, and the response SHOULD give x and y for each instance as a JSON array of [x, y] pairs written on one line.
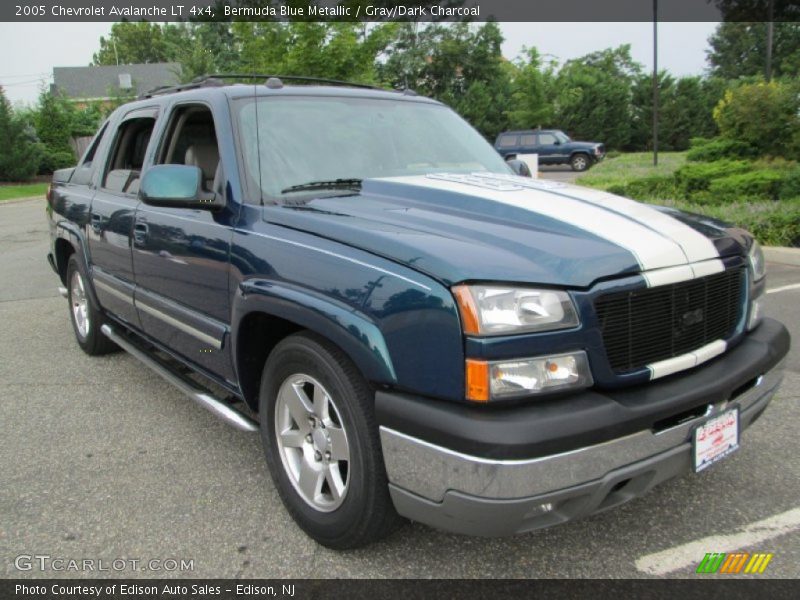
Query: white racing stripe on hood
[[695, 245], [652, 250]]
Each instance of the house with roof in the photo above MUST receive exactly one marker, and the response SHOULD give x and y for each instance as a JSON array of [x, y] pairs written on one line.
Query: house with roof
[[103, 83]]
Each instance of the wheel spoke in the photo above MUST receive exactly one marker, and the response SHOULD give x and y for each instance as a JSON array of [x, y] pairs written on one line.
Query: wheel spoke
[[321, 401], [334, 478], [293, 438], [310, 480], [299, 406], [339, 449]]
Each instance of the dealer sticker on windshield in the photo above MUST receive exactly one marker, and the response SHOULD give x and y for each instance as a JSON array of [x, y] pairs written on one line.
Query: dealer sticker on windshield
[[715, 439]]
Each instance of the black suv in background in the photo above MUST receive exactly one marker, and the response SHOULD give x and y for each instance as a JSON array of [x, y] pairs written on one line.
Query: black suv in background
[[553, 146]]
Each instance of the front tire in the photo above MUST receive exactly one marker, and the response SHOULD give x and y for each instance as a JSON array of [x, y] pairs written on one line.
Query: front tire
[[321, 443], [580, 162], [86, 319]]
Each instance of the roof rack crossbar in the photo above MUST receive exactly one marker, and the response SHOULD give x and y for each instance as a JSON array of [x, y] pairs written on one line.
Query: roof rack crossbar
[[172, 89], [215, 80], [291, 78]]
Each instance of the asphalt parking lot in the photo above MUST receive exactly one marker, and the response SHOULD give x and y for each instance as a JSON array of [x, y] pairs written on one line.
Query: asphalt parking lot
[[103, 460]]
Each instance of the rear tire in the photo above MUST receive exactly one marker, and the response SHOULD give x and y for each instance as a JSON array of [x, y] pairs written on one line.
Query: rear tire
[[326, 459], [85, 317], [580, 162]]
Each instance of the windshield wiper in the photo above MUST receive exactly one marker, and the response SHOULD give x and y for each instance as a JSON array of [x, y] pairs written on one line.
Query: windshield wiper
[[332, 184]]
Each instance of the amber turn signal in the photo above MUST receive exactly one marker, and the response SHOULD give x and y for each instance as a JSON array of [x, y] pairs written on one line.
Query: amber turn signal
[[468, 309], [477, 380]]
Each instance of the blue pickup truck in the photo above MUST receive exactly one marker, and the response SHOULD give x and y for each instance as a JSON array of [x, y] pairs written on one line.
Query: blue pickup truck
[[414, 329], [553, 147]]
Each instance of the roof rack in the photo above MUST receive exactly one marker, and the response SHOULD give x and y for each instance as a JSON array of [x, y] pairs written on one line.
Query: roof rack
[[172, 89], [276, 81], [265, 77]]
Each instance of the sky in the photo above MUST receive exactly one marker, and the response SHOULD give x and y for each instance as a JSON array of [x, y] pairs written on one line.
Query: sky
[[31, 50]]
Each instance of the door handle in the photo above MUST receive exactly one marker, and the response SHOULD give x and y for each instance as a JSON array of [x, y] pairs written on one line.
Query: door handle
[[140, 233], [97, 223]]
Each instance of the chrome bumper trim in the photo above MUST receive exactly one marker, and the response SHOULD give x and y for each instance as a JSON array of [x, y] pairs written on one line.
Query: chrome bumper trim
[[431, 471]]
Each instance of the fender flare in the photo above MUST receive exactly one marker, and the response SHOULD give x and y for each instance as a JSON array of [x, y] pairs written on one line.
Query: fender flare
[[69, 231], [344, 325]]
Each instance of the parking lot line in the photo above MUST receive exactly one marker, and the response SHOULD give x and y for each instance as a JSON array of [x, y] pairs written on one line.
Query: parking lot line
[[690, 554], [784, 288]]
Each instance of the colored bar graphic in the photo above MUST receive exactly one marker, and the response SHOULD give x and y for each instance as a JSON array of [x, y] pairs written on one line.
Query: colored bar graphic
[[734, 563]]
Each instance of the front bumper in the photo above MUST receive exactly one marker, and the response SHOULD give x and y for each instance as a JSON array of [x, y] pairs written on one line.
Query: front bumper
[[479, 494]]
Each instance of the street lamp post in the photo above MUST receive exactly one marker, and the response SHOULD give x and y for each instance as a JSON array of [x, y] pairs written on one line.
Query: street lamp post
[[655, 83]]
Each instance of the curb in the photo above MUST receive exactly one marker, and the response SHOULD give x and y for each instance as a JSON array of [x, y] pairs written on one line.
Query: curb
[[784, 256], [20, 200]]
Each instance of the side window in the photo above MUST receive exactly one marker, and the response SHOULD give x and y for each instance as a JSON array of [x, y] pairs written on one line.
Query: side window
[[83, 173], [192, 140], [508, 141], [547, 138], [127, 155], [527, 140]]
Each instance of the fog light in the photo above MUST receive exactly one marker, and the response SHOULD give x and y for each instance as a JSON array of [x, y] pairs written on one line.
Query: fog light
[[756, 313], [514, 378]]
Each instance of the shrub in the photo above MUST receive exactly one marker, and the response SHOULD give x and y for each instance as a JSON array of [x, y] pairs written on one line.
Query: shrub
[[719, 149], [19, 151], [54, 160], [765, 116], [790, 187], [654, 187], [697, 177], [772, 223], [762, 184]]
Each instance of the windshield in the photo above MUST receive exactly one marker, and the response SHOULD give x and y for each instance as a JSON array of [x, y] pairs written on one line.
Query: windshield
[[300, 140], [562, 137]]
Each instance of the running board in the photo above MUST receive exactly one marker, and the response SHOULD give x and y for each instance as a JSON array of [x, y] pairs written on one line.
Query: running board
[[203, 398]]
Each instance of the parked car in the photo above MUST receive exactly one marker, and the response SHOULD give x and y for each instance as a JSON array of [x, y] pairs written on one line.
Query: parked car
[[413, 329], [552, 146]]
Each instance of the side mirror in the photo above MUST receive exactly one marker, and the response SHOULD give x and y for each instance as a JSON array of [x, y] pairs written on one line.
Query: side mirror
[[177, 186], [519, 167], [557, 143]]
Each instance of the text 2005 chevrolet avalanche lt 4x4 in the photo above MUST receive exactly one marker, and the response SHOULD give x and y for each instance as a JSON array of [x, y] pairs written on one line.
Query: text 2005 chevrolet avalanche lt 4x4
[[414, 329]]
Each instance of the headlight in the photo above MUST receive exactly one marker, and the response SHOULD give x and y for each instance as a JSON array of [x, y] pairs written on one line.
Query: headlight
[[500, 380], [497, 310], [757, 262]]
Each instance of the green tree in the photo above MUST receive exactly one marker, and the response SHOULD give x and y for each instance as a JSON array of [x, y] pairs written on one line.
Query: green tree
[[460, 64], [529, 106], [133, 43], [336, 50], [593, 96], [55, 120], [19, 153], [739, 49], [763, 115], [685, 110]]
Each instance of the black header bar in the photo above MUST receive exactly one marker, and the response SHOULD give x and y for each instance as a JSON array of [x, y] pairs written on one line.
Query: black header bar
[[396, 10]]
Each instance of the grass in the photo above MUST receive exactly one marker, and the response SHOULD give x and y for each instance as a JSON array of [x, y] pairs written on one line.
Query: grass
[[626, 167], [27, 190]]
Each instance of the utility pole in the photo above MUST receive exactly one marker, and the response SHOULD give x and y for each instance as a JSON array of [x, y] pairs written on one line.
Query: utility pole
[[770, 36], [655, 83]]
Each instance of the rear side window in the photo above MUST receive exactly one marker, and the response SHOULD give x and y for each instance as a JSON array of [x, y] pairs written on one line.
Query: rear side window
[[507, 141], [127, 155], [547, 138], [83, 174], [527, 140]]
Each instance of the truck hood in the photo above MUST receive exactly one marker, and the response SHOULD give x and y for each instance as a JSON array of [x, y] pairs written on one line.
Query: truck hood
[[573, 145], [490, 227]]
